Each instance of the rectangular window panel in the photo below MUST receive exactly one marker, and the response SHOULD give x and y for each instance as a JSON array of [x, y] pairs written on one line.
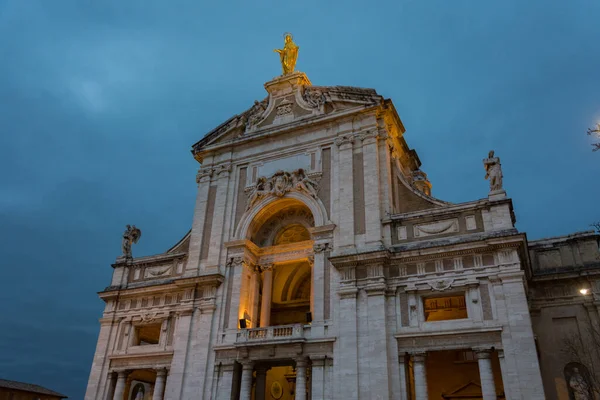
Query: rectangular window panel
[[445, 308]]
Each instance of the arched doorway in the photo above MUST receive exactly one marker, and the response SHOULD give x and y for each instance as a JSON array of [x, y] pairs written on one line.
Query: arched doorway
[[277, 290]]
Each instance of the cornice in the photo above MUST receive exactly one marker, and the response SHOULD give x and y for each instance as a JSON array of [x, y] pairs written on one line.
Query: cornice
[[313, 120]]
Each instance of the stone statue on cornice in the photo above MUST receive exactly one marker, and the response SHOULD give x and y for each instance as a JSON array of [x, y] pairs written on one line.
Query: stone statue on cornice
[[493, 171], [130, 236]]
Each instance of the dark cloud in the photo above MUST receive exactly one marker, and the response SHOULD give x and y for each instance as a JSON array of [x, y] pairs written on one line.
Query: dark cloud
[[100, 101]]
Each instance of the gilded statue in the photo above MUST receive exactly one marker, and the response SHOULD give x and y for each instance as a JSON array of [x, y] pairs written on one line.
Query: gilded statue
[[288, 55]]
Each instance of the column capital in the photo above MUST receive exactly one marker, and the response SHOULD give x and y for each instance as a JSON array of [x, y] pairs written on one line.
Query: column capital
[[346, 139], [247, 364], [321, 247], [267, 267], [482, 352], [123, 373], [318, 361], [204, 175], [111, 374], [162, 372], [419, 356], [301, 362], [262, 369]]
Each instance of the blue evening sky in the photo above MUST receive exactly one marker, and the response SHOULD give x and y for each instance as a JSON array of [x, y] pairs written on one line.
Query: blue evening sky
[[100, 101]]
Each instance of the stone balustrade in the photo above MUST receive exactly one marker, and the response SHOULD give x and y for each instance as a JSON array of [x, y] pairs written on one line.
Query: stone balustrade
[[273, 333]]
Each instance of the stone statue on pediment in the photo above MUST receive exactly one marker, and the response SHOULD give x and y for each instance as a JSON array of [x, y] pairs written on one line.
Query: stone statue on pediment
[[493, 171]]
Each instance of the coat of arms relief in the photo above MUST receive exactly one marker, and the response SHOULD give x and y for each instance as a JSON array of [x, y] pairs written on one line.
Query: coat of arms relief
[[282, 182]]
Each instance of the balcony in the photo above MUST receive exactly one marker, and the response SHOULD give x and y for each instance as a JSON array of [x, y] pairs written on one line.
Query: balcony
[[278, 334]]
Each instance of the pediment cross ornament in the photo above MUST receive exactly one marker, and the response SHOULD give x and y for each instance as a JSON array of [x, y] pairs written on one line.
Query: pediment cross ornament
[[442, 284], [281, 183]]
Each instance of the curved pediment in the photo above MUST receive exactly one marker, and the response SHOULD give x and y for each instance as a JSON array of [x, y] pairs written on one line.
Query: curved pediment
[[291, 98]]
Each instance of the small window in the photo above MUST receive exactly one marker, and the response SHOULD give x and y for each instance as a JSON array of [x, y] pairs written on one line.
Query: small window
[[445, 308], [147, 334]]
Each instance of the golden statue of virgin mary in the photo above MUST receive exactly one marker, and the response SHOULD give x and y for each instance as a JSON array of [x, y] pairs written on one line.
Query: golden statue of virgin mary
[[289, 54]]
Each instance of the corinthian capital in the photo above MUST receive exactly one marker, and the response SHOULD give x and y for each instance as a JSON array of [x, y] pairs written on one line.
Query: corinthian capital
[[344, 139], [203, 173]]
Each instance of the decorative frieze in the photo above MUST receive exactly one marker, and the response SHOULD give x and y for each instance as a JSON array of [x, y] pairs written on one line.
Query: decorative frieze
[[436, 228]]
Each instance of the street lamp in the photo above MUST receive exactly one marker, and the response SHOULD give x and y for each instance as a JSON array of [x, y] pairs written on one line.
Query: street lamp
[[584, 291]]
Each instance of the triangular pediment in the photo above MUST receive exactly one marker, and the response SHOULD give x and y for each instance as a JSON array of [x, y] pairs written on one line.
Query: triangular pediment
[[291, 99]]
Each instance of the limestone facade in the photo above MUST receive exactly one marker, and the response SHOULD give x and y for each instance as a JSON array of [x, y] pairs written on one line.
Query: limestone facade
[[319, 266]]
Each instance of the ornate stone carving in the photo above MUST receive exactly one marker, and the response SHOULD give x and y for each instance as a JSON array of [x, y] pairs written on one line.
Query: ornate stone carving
[[370, 134], [442, 284], [314, 97], [493, 171], [148, 317], [284, 108], [130, 236], [281, 183], [157, 271], [344, 139], [436, 228], [255, 115], [204, 172], [321, 247], [223, 169]]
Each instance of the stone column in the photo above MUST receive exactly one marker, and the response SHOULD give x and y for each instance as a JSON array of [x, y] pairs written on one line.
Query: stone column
[[222, 173], [254, 295], [377, 348], [346, 190], [318, 285], [203, 180], [261, 383], [486, 376], [311, 264], [300, 379], [238, 266], [403, 386], [225, 382], [317, 377], [372, 192], [110, 385], [265, 309], [347, 359], [159, 385], [246, 387], [121, 382], [181, 339], [420, 372], [502, 369]]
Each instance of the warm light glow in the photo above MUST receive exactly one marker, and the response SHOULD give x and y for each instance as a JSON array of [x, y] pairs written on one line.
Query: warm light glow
[[584, 291]]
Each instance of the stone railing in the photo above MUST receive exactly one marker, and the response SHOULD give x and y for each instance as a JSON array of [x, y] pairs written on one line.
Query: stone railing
[[271, 333]]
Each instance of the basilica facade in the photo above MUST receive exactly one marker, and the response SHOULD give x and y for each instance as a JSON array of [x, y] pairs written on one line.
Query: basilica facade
[[320, 266]]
